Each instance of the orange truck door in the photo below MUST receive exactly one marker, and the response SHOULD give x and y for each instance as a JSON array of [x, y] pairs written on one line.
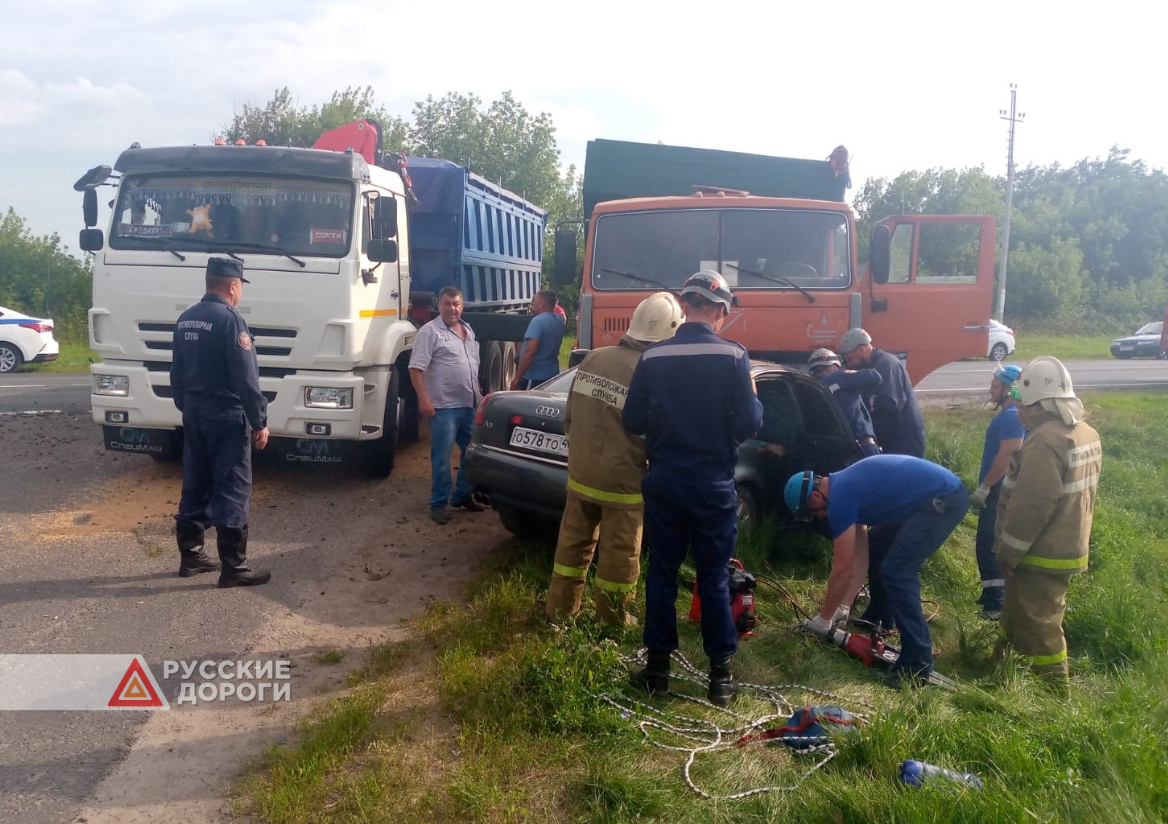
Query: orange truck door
[[937, 302]]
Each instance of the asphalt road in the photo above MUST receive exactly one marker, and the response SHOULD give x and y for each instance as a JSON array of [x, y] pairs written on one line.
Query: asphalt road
[[29, 392], [971, 379]]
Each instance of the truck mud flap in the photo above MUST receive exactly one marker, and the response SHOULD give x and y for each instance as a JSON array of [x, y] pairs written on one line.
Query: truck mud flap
[[313, 450], [137, 439]]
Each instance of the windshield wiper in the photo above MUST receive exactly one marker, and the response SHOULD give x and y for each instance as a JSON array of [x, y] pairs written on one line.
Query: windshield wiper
[[779, 279], [263, 247], [641, 278], [225, 248]]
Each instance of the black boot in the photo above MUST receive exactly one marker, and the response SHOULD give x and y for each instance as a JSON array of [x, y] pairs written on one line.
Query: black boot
[[722, 686], [192, 559], [233, 554], [654, 678]]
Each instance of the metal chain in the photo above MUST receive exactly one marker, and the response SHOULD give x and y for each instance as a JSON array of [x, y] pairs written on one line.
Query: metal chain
[[707, 736]]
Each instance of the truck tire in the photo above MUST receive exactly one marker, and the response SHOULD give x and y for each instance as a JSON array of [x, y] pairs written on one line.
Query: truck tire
[[491, 353], [410, 419], [510, 354], [379, 455]]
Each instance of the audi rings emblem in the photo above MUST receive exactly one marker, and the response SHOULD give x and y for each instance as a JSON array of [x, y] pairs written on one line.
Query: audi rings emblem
[[547, 411]]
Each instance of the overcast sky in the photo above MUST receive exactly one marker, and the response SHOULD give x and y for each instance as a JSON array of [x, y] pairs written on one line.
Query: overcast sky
[[906, 85]]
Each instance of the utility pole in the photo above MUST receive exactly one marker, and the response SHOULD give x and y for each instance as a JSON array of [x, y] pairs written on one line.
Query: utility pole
[[1015, 118]]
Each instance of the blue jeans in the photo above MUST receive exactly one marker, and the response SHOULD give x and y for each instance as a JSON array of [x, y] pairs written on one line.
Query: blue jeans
[[700, 516], [900, 580], [993, 586], [447, 428]]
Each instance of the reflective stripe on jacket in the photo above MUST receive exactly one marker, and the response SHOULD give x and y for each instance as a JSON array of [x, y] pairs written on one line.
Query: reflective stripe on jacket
[[1048, 499], [606, 462]]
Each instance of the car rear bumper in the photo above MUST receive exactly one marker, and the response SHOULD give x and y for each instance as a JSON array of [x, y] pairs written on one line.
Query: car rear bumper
[[517, 482]]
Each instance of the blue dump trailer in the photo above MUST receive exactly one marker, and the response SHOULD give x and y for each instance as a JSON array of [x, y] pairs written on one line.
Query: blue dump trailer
[[487, 241]]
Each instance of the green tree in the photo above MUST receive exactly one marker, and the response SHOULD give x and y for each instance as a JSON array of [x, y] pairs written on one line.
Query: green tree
[[38, 276], [281, 122]]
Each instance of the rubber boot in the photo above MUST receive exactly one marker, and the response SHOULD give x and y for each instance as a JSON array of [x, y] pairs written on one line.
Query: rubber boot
[[613, 608], [654, 678], [192, 559], [233, 554], [722, 686]]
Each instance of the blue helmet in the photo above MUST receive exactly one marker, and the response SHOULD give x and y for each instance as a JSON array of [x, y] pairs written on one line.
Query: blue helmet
[[798, 490], [1008, 373]]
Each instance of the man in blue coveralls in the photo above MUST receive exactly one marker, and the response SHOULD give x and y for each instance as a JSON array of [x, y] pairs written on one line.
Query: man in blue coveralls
[[925, 502], [896, 415], [1003, 438], [215, 382], [693, 399], [539, 360], [846, 385]]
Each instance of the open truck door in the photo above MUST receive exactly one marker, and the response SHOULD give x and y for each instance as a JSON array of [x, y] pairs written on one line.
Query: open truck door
[[933, 294]]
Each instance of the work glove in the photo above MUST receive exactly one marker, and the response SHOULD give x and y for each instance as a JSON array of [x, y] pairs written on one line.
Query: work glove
[[819, 625], [978, 498], [841, 615]]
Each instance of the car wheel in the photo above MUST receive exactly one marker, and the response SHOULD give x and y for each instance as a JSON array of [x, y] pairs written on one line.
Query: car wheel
[[999, 352], [747, 512], [522, 524], [10, 358]]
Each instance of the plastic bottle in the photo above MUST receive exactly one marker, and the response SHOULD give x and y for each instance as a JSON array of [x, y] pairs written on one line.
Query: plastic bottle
[[914, 773]]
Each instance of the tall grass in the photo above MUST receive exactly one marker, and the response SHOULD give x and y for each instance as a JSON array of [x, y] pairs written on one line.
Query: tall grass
[[524, 736]]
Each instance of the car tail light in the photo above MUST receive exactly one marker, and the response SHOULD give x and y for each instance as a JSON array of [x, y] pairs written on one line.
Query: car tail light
[[481, 411], [37, 326]]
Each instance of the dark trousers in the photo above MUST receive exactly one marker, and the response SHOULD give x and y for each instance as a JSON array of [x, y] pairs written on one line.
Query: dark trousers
[[216, 488], [699, 515], [894, 580], [993, 586]]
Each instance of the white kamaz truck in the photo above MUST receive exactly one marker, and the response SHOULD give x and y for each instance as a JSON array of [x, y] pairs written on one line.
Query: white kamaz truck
[[345, 254]]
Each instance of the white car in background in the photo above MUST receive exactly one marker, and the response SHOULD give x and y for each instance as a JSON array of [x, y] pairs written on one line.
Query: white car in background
[[1001, 341], [25, 340]]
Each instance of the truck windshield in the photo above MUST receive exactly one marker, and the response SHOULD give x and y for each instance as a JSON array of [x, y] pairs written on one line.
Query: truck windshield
[[258, 212], [809, 248]]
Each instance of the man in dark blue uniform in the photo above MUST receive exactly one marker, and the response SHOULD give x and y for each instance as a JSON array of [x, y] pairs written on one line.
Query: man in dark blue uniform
[[693, 399], [216, 385], [896, 415], [846, 385]]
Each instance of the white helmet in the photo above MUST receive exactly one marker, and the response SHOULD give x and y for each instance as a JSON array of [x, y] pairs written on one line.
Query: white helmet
[[853, 338], [823, 357], [1042, 378], [656, 318], [710, 285]]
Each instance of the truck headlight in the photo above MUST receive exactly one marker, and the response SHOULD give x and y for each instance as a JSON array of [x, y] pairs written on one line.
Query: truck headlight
[[112, 385], [328, 397]]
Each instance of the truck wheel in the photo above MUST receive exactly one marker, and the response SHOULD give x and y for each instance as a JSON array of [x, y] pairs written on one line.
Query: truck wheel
[[493, 377], [409, 416], [379, 454], [510, 355], [10, 358]]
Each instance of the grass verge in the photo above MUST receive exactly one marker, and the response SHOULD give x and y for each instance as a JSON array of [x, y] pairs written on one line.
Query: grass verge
[[491, 715], [1063, 347]]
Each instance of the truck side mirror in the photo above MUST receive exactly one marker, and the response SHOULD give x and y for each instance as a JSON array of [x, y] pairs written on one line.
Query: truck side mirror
[[89, 207], [564, 268], [385, 219], [382, 251], [880, 253], [91, 240]]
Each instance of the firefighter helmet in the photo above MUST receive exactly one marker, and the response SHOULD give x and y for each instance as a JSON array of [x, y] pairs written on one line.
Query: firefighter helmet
[[853, 338], [710, 285], [656, 318], [823, 357], [1042, 378]]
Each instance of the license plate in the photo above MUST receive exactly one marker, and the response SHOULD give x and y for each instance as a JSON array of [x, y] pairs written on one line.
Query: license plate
[[539, 441]]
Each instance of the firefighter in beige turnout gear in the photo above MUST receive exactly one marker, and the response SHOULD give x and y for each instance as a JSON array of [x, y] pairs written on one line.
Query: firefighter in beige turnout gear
[[606, 464], [1044, 516]]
